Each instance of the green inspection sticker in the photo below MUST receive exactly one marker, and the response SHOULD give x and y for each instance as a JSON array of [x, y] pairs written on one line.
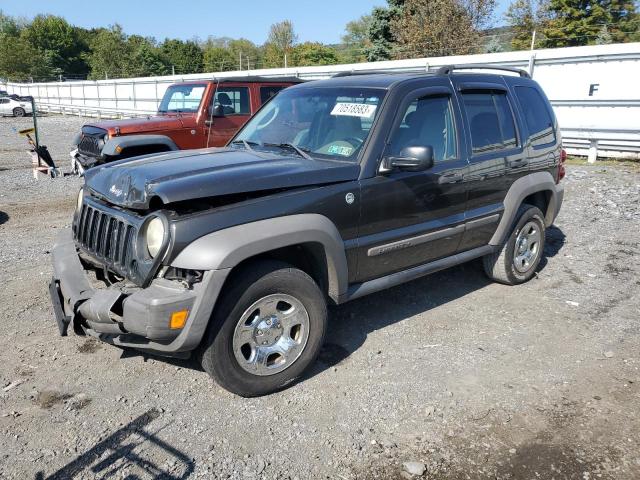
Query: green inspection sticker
[[339, 150]]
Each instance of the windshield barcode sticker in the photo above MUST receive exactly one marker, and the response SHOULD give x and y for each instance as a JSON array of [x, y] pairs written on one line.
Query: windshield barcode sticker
[[354, 110]]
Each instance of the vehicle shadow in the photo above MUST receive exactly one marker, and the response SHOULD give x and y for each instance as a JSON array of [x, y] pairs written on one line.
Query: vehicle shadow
[[553, 243], [123, 449], [350, 324], [3, 217]]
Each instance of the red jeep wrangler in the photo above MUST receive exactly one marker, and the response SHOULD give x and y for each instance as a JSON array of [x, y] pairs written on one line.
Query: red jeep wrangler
[[196, 114]]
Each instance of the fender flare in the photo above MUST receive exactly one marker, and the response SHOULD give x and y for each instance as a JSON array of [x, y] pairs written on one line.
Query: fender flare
[[226, 248], [110, 146], [521, 189]]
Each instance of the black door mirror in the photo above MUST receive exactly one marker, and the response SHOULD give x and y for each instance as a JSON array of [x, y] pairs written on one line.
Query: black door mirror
[[412, 159], [218, 111]]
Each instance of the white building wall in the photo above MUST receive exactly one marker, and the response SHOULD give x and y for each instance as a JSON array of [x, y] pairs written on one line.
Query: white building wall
[[595, 91]]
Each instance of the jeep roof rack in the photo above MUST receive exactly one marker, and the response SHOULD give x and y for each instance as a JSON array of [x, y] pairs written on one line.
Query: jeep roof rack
[[448, 69], [408, 70]]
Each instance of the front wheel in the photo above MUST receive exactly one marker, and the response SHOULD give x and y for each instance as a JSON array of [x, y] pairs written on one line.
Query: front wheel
[[518, 258], [19, 112], [267, 329]]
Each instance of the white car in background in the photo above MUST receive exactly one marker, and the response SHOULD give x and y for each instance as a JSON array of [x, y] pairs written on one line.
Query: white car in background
[[16, 108]]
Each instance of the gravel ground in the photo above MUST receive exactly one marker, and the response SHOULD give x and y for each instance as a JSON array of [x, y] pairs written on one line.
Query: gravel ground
[[448, 377]]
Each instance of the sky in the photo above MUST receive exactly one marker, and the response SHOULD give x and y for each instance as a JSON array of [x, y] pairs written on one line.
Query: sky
[[314, 20]]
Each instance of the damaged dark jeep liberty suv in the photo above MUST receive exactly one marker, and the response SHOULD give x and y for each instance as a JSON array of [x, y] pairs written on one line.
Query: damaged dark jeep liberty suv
[[335, 189]]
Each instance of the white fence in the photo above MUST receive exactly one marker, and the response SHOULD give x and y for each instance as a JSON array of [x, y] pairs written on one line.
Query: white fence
[[594, 91]]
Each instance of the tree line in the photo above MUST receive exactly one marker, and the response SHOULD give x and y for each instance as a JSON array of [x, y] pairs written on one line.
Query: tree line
[[49, 48], [427, 28]]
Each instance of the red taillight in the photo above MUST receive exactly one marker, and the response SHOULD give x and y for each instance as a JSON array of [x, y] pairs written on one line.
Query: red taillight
[[561, 168]]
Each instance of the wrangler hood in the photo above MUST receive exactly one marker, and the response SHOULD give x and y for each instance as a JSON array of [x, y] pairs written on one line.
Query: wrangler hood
[[179, 176], [146, 125]]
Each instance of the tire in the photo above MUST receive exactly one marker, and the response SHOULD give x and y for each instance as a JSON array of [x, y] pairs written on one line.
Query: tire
[[513, 267], [19, 112], [251, 313]]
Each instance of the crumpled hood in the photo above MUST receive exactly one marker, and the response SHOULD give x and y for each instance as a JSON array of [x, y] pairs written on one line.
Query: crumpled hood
[[186, 175]]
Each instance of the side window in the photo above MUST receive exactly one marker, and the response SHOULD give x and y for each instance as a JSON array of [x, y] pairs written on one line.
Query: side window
[[267, 92], [491, 121], [4, 100], [537, 115], [428, 121], [235, 100]]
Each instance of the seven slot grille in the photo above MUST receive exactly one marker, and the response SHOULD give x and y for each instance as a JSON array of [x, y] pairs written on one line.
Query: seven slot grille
[[106, 238], [90, 145]]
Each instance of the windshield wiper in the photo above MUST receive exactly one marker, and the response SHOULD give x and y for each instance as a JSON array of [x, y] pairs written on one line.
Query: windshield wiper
[[245, 143], [291, 146]]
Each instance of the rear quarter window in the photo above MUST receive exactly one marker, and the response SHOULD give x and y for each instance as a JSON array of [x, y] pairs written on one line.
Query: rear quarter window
[[537, 115]]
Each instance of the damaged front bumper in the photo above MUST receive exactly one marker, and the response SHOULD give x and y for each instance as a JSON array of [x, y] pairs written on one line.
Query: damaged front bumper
[[130, 316]]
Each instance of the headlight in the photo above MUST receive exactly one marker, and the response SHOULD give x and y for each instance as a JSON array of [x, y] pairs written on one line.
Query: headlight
[[154, 236], [80, 199]]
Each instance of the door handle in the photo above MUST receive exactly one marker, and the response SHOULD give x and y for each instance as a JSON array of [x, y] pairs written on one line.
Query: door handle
[[518, 162], [451, 178]]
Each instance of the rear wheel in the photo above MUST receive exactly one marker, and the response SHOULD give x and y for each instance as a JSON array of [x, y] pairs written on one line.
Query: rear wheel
[[518, 258], [19, 112], [266, 330]]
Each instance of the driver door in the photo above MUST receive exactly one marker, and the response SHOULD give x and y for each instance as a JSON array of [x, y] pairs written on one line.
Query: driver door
[[236, 102], [411, 218]]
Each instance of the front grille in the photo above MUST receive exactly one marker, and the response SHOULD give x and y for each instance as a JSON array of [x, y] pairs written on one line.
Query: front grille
[[106, 237], [90, 145]]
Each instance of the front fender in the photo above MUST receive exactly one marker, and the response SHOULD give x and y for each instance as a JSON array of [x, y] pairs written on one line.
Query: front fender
[[226, 248], [111, 146]]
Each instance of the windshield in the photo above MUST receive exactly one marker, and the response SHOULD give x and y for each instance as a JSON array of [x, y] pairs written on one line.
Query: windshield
[[182, 98], [321, 122]]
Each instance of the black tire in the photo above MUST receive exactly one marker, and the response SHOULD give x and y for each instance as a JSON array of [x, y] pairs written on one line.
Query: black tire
[[501, 266], [19, 112], [253, 283]]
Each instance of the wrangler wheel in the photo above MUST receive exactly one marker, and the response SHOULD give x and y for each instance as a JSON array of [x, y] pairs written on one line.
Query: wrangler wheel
[[267, 328], [19, 112]]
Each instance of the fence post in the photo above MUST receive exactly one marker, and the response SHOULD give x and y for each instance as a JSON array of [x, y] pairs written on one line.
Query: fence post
[[99, 103], [593, 151], [532, 64], [84, 96]]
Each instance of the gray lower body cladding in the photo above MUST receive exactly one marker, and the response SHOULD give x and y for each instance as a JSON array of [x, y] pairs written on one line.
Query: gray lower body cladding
[[130, 316]]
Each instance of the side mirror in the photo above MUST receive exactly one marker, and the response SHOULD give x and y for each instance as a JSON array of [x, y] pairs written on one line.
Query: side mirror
[[411, 159], [218, 111]]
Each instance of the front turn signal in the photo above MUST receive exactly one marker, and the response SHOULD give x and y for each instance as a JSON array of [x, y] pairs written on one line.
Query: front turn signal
[[178, 319]]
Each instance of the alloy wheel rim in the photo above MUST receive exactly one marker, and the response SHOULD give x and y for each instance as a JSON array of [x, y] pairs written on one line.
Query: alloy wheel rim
[[271, 334], [527, 247]]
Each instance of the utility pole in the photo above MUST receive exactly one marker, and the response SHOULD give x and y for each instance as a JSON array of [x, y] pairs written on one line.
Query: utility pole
[[241, 60], [173, 69], [533, 39], [248, 64], [285, 60]]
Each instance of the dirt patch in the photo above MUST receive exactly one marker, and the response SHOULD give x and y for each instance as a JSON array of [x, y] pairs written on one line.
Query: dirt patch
[[91, 345], [48, 398]]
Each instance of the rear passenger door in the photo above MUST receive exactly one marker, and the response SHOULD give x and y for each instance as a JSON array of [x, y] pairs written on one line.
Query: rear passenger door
[[494, 152]]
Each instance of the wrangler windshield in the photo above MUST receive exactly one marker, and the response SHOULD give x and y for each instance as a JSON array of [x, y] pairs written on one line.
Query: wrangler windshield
[[319, 122], [182, 98]]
